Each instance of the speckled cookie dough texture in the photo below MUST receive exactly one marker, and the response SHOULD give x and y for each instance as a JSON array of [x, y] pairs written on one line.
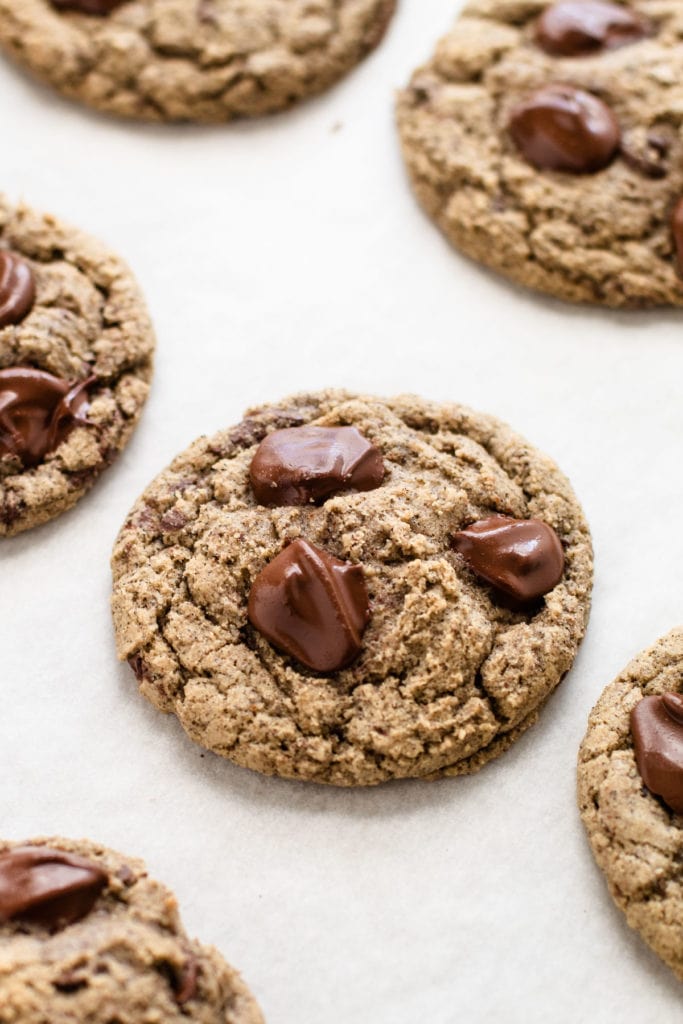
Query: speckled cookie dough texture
[[127, 961], [601, 238], [636, 839], [88, 321], [447, 677], [198, 60]]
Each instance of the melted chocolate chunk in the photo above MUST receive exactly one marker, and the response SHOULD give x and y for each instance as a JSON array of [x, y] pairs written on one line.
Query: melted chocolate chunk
[[37, 412], [300, 465], [98, 7], [47, 887], [677, 232], [561, 128], [657, 728], [312, 606], [578, 28], [523, 558], [17, 288]]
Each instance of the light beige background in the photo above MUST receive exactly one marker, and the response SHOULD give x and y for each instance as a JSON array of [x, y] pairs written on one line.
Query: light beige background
[[289, 254]]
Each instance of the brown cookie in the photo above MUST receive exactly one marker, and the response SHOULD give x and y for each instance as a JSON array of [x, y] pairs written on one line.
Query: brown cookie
[[197, 60], [76, 347], [543, 139], [366, 626], [630, 782], [86, 935]]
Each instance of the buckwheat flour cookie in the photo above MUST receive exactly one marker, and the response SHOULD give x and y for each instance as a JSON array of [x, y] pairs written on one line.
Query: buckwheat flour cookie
[[86, 935], [544, 140], [348, 589], [630, 779], [76, 349], [199, 60]]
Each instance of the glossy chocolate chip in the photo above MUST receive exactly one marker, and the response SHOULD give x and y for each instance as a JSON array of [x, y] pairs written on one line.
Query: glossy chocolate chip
[[300, 465], [311, 605], [37, 412], [577, 28], [523, 558], [657, 729], [17, 288], [47, 887], [99, 7], [561, 128], [677, 232]]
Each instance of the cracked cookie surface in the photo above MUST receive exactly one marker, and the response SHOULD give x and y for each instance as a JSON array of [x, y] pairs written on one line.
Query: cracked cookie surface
[[602, 238], [128, 960], [89, 320], [447, 677], [200, 60], [636, 839]]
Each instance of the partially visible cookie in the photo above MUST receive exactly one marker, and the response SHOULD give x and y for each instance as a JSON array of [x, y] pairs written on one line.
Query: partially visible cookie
[[630, 784], [76, 347], [348, 589], [544, 140], [86, 935], [198, 60]]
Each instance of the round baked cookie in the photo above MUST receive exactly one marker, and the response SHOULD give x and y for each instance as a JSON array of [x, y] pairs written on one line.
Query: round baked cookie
[[544, 140], [353, 635], [76, 346], [197, 60], [636, 837], [86, 935]]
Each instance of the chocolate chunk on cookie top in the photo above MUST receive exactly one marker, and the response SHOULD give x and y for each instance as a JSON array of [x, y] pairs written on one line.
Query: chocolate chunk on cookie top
[[309, 464], [522, 558], [657, 729], [47, 887], [97, 7], [543, 140], [196, 60], [312, 606], [565, 129], [76, 348], [576, 28], [410, 629], [630, 784], [17, 288], [85, 933], [37, 412]]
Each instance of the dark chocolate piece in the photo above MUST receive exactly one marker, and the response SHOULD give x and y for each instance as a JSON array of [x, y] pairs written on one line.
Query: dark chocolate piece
[[312, 606], [523, 558], [303, 465]]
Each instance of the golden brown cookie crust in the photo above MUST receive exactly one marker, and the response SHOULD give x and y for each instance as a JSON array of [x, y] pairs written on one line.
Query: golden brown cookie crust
[[89, 318], [636, 840], [447, 677], [197, 60], [123, 961], [600, 238]]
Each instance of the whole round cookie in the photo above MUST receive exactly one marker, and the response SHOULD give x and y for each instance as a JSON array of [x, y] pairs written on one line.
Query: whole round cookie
[[348, 589], [76, 347], [198, 60], [630, 785], [86, 935], [543, 139]]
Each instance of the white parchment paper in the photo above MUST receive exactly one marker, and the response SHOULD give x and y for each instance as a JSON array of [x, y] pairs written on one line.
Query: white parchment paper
[[289, 254]]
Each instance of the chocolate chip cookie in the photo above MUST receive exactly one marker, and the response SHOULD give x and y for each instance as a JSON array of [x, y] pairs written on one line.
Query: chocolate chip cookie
[[348, 589], [76, 347], [544, 140], [198, 60], [630, 779], [86, 935]]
